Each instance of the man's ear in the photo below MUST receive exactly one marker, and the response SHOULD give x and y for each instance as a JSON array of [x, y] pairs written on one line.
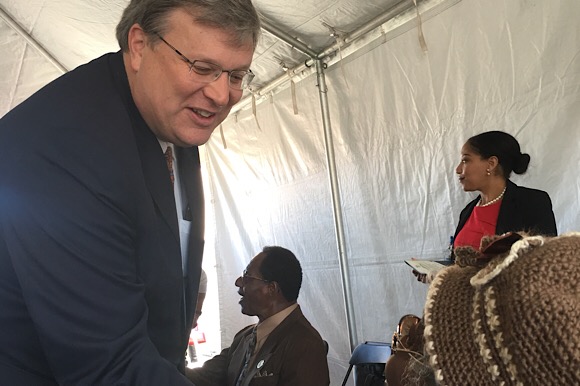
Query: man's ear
[[137, 41], [273, 288]]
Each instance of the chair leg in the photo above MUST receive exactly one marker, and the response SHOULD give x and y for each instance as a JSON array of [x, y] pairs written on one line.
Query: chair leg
[[347, 375]]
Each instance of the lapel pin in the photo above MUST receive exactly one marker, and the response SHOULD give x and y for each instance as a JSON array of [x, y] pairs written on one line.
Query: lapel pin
[[260, 364]]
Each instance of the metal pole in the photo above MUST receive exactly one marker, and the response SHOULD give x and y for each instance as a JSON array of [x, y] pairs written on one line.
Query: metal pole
[[285, 37], [336, 205], [30, 40], [330, 159]]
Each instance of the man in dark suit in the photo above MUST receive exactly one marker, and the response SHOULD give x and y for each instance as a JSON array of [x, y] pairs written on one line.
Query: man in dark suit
[[283, 349], [100, 245]]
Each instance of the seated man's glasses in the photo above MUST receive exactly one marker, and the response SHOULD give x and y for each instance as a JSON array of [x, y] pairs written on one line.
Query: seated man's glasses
[[246, 277], [207, 72]]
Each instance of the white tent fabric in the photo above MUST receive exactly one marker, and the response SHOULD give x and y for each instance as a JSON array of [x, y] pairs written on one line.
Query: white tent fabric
[[398, 117]]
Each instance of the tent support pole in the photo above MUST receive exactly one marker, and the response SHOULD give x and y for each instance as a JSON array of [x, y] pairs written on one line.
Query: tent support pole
[[30, 40], [330, 159], [336, 205], [288, 39]]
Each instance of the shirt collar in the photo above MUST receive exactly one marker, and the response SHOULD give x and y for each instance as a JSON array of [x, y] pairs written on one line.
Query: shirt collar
[[267, 326]]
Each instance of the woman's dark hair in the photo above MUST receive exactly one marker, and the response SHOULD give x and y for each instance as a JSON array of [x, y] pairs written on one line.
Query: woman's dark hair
[[280, 265], [505, 147]]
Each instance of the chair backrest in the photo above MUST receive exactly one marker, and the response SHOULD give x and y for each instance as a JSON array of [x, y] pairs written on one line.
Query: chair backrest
[[370, 352], [368, 360]]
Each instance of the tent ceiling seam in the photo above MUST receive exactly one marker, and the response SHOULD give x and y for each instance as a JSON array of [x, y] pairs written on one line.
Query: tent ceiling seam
[[346, 41], [31, 40]]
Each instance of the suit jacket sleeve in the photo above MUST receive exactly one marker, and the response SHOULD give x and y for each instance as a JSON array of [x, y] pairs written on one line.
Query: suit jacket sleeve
[[214, 372]]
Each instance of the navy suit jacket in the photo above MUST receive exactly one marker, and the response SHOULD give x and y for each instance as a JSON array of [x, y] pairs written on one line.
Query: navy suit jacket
[[91, 284], [522, 209]]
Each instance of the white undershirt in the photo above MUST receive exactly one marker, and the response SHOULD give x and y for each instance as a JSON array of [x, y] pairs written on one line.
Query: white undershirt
[[184, 225]]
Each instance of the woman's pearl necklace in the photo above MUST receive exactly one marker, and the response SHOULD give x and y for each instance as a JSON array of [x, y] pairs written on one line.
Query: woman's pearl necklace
[[492, 201]]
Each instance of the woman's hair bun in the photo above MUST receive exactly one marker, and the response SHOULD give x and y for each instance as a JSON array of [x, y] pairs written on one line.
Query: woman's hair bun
[[521, 164]]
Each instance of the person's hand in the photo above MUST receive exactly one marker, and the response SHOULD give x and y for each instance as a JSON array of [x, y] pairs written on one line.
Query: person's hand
[[422, 277]]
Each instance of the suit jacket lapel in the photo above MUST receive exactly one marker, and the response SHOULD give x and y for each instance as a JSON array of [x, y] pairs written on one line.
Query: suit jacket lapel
[[157, 176], [153, 162]]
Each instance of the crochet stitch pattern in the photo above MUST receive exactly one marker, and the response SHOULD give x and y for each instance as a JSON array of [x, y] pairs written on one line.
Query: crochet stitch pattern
[[510, 321]]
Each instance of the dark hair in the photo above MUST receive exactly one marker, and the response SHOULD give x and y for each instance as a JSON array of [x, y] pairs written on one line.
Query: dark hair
[[282, 266], [239, 17], [505, 147]]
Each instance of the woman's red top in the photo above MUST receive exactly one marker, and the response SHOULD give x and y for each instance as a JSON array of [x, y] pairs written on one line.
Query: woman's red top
[[481, 222]]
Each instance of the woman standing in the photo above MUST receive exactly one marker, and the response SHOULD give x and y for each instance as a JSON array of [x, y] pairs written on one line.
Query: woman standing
[[487, 161]]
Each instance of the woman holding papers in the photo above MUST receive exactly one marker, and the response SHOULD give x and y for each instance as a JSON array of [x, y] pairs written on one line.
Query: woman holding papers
[[487, 162]]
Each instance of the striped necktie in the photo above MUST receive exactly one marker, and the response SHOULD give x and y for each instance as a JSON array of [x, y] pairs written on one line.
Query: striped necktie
[[248, 356], [169, 159]]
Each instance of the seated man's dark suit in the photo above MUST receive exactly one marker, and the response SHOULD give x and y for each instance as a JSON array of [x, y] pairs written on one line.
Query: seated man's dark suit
[[294, 354], [91, 284]]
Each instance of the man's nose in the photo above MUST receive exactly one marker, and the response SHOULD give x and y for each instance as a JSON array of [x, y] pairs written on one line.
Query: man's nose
[[219, 90]]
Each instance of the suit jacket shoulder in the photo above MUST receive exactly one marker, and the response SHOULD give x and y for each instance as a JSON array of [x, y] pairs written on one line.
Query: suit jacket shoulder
[[526, 209]]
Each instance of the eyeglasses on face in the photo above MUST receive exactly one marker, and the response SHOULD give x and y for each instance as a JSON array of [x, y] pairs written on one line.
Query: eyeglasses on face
[[207, 72], [245, 278]]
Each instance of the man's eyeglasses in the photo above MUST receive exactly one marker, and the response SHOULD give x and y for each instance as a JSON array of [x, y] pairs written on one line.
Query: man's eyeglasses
[[207, 72], [245, 278]]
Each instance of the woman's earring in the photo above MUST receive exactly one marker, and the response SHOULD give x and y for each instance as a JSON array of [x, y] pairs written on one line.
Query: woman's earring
[[488, 172]]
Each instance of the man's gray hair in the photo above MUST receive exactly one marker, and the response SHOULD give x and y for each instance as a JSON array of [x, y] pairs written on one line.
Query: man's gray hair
[[237, 17]]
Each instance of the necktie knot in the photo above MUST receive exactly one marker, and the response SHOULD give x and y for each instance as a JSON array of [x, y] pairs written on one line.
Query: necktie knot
[[169, 159]]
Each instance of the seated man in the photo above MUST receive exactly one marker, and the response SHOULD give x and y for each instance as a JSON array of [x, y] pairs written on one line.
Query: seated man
[[282, 348]]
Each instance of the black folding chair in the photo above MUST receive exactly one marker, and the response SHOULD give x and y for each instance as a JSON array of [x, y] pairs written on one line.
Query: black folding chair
[[368, 360]]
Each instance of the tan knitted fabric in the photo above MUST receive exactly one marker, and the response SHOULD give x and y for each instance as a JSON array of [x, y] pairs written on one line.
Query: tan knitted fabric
[[516, 321]]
